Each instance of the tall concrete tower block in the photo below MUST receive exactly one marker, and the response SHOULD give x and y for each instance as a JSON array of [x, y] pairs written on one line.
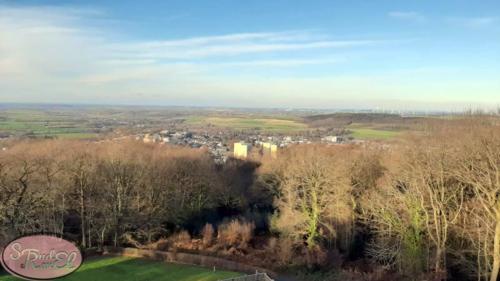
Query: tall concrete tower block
[[241, 150]]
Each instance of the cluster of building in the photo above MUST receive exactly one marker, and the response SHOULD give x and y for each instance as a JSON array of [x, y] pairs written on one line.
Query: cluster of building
[[270, 146], [221, 145], [215, 143]]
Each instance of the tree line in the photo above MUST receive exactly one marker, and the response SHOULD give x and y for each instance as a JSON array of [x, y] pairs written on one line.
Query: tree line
[[426, 208], [97, 192]]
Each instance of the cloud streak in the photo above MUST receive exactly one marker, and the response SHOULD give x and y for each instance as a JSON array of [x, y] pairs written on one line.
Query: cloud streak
[[408, 16], [231, 45], [474, 22], [282, 62], [50, 43]]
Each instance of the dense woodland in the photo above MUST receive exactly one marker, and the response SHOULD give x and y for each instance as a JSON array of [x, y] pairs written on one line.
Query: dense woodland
[[426, 207]]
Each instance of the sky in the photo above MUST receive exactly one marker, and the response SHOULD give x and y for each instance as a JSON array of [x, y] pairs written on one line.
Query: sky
[[325, 54]]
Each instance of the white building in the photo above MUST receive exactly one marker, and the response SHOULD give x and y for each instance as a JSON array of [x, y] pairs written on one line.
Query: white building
[[333, 139], [241, 150]]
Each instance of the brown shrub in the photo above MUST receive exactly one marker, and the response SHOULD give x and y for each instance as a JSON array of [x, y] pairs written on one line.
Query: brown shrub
[[208, 235], [161, 245], [272, 244], [236, 234], [284, 251], [314, 256], [180, 239]]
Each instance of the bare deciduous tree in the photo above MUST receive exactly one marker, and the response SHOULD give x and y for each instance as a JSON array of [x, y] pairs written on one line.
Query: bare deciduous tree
[[314, 200]]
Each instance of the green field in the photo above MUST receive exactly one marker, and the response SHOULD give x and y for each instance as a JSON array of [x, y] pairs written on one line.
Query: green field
[[372, 134], [41, 123], [130, 269], [241, 123]]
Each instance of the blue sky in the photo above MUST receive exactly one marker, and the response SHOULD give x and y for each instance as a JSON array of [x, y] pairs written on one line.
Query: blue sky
[[315, 54]]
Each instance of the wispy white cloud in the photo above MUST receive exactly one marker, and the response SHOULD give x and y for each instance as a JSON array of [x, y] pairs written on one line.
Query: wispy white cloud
[[408, 16], [474, 22], [231, 45], [282, 62], [147, 73], [219, 39], [54, 43]]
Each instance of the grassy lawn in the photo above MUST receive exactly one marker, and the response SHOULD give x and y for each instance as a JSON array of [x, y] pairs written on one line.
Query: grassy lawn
[[240, 123], [371, 134], [130, 269]]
